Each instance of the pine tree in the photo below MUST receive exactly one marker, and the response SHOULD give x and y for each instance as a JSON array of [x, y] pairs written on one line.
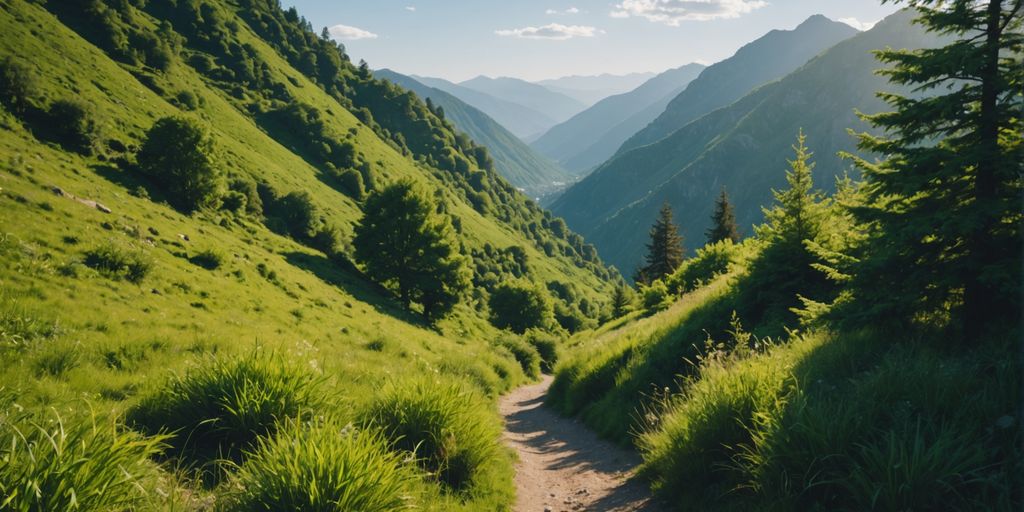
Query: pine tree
[[943, 209], [723, 221], [622, 299], [403, 242], [665, 251]]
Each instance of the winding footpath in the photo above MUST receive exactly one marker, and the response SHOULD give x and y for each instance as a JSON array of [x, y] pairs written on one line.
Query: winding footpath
[[563, 466]]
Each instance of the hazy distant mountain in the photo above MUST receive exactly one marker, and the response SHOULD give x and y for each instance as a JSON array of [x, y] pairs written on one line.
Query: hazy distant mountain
[[742, 147], [593, 88], [532, 96], [590, 137], [768, 58], [517, 162], [518, 119]]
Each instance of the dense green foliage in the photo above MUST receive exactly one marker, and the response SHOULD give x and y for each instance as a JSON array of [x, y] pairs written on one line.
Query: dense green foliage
[[402, 241], [519, 306], [324, 466], [525, 352], [664, 251], [178, 154]]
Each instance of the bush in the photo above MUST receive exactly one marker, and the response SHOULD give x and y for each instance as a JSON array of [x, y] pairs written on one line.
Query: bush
[[710, 261], [16, 85], [116, 262], [352, 183], [546, 346], [656, 296], [527, 356], [71, 124], [78, 465], [520, 305], [249, 189], [234, 201], [222, 406], [178, 154], [447, 428], [323, 466], [208, 259]]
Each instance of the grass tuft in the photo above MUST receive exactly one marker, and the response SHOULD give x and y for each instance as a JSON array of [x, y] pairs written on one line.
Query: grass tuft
[[117, 262]]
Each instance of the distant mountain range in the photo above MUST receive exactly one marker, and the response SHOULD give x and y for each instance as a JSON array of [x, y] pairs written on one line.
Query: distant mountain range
[[557, 106], [523, 167], [768, 58], [590, 137], [593, 88], [742, 147], [518, 119]]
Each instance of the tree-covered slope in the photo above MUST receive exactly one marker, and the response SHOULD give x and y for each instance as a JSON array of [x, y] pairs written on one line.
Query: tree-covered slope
[[590, 137], [523, 167], [518, 119], [768, 58], [730, 147], [109, 285]]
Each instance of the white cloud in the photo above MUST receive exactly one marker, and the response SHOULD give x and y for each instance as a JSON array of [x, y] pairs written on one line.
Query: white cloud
[[553, 31], [857, 24], [350, 33], [410, 8], [674, 12], [571, 10]]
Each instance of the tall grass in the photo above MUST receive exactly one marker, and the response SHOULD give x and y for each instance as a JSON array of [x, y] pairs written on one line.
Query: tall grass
[[322, 466], [118, 262], [223, 405], [446, 427], [75, 465], [20, 326], [525, 353]]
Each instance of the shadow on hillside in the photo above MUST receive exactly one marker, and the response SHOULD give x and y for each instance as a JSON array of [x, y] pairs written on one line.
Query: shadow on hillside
[[344, 275], [129, 181]]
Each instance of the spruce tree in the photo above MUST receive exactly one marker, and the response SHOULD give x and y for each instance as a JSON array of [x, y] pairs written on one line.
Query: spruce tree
[[665, 251], [723, 221], [943, 208], [622, 299], [402, 242]]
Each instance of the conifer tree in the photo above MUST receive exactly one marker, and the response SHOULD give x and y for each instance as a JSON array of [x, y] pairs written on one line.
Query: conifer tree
[[622, 299], [665, 251], [402, 241], [943, 209], [723, 221]]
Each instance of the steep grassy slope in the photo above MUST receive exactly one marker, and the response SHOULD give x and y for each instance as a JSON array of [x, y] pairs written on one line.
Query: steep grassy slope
[[523, 167], [768, 58], [76, 336], [729, 148], [572, 143], [518, 119]]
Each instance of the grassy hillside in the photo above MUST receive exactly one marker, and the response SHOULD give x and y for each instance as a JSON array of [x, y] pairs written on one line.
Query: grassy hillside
[[730, 148], [523, 167], [115, 302], [768, 58], [569, 141]]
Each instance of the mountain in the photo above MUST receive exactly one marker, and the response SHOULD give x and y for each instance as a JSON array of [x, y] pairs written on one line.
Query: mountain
[[518, 119], [590, 89], [768, 58], [557, 106], [574, 143], [742, 147], [523, 167]]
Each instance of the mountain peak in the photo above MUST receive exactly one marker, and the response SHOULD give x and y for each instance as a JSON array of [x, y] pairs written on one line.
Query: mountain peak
[[816, 19]]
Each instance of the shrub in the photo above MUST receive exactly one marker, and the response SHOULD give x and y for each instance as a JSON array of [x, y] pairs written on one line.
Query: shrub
[[16, 85], [323, 466], [710, 261], [520, 305], [527, 356], [116, 262], [249, 189], [71, 125], [546, 346], [222, 406], [178, 154], [187, 100], [352, 183], [208, 259], [447, 428], [234, 201], [78, 465], [655, 296]]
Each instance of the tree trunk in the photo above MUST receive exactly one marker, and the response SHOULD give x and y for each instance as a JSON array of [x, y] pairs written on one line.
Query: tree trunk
[[979, 296]]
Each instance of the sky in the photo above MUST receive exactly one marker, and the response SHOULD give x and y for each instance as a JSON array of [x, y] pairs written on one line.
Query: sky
[[540, 39]]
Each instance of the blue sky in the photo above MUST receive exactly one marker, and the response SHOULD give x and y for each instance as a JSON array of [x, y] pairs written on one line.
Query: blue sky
[[538, 39]]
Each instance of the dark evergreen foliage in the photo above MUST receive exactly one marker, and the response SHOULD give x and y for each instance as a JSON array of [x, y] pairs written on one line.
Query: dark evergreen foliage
[[723, 221], [664, 251]]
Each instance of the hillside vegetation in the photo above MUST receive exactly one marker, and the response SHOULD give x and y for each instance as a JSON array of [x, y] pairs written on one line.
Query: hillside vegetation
[[184, 321]]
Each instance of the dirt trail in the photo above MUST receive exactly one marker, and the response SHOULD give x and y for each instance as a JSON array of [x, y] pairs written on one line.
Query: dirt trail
[[563, 466]]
